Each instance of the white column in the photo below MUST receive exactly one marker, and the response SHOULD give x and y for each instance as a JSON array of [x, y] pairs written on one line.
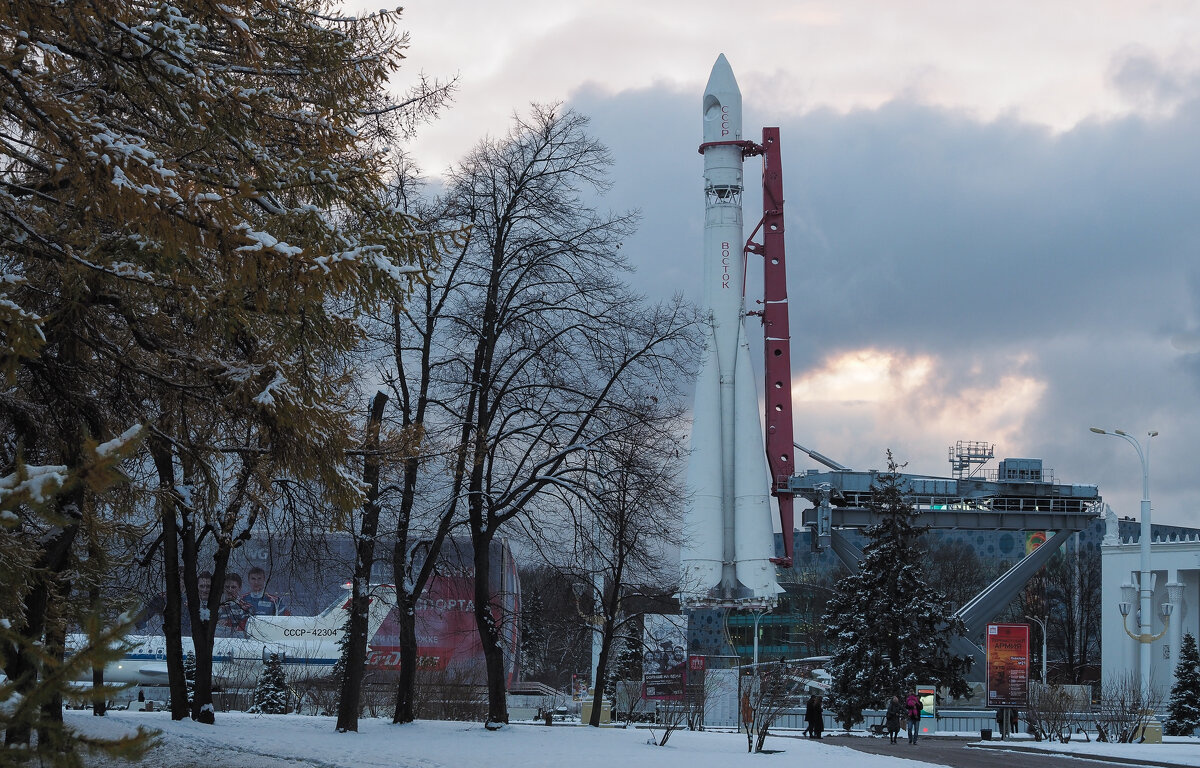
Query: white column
[[1129, 645], [1175, 634]]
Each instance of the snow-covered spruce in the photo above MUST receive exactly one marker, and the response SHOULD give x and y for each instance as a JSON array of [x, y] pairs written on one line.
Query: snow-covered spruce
[[271, 695], [1184, 708], [892, 629]]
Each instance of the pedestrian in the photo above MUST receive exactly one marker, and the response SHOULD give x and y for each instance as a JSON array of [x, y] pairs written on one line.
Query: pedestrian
[[913, 706], [895, 713], [814, 715], [1006, 719]]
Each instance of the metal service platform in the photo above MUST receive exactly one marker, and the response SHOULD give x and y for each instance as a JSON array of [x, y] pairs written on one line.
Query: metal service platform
[[840, 500]]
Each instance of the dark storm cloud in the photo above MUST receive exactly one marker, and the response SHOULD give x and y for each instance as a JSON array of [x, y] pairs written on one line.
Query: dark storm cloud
[[920, 229]]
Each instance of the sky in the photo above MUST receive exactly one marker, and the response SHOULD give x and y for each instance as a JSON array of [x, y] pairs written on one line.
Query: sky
[[239, 740], [993, 210]]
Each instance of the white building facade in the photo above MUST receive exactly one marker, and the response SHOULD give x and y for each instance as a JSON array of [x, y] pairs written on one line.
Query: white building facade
[[1175, 564]]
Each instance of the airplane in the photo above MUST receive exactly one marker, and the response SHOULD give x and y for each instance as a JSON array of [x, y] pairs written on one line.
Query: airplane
[[307, 645]]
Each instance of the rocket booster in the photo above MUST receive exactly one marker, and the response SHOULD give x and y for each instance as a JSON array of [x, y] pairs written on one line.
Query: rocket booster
[[729, 540]]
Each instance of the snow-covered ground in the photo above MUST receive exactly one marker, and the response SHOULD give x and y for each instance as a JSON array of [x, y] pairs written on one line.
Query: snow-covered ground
[[276, 741]]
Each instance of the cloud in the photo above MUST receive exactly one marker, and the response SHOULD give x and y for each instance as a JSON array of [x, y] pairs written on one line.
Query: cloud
[[1152, 85], [907, 403], [961, 279]]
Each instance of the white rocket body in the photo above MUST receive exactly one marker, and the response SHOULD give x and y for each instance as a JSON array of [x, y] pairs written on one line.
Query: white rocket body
[[729, 540]]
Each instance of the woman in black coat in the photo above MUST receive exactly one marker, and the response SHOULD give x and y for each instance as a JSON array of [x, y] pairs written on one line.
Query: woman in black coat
[[895, 713], [814, 716]]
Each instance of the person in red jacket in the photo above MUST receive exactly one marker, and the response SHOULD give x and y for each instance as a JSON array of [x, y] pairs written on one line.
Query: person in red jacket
[[913, 706]]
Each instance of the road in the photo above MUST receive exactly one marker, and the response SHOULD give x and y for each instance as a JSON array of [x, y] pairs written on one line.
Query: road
[[954, 752]]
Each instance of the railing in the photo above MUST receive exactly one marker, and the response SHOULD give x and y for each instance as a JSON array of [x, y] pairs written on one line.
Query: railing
[[532, 688], [970, 721]]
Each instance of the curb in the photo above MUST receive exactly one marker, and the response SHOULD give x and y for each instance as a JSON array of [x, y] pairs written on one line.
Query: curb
[[1015, 747]]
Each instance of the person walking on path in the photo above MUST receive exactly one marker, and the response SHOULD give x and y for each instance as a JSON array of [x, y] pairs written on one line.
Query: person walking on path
[[895, 713], [814, 716], [913, 706]]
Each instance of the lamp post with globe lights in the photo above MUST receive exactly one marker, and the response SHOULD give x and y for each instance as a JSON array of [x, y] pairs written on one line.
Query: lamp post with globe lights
[[1145, 585]]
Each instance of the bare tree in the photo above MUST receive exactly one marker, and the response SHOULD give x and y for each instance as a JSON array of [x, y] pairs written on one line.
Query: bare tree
[[770, 689], [426, 493], [959, 571], [1073, 590], [556, 641], [1124, 708], [622, 526], [360, 584], [550, 343], [1055, 712]]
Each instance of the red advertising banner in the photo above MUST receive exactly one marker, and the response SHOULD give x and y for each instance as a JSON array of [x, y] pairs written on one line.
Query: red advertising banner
[[1008, 665], [448, 640]]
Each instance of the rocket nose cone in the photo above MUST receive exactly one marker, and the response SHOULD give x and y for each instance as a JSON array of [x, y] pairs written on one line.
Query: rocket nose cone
[[721, 79], [722, 103]]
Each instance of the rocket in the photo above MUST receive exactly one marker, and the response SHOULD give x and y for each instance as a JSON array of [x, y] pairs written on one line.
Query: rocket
[[729, 541]]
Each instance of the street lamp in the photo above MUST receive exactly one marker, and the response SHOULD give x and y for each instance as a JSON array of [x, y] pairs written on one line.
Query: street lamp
[[1041, 624], [757, 616], [1145, 581]]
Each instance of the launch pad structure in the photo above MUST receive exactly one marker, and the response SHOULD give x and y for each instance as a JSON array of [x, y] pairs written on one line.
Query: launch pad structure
[[1020, 496]]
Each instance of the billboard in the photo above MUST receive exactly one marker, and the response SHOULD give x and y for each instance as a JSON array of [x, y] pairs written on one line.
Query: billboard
[[579, 686], [664, 656], [1007, 665], [448, 639], [301, 577]]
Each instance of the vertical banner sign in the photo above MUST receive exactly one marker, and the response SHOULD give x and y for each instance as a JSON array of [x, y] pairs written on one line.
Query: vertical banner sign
[[927, 695], [1008, 665], [693, 678], [664, 658]]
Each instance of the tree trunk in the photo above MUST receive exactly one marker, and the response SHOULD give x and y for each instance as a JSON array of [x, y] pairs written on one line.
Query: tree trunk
[[406, 602], [164, 464], [606, 638], [50, 739], [406, 689], [47, 587], [489, 632], [204, 632], [99, 705], [356, 652]]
